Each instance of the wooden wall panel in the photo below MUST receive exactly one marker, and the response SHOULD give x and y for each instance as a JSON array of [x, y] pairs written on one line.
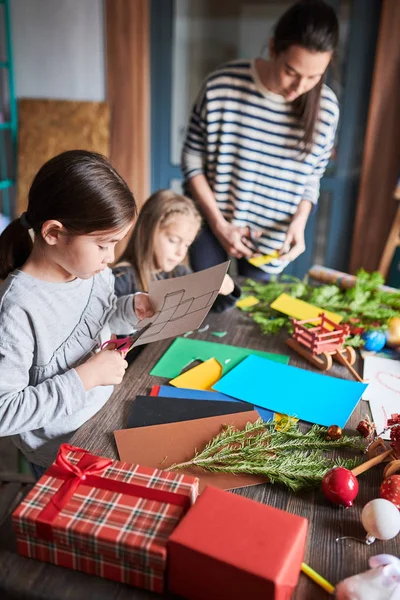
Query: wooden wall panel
[[48, 127], [381, 162], [128, 91]]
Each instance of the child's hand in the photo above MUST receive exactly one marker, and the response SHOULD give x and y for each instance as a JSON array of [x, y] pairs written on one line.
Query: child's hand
[[107, 367], [227, 286], [142, 306]]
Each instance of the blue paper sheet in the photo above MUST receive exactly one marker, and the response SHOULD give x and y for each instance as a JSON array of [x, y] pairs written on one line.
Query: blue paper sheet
[[173, 392], [303, 394]]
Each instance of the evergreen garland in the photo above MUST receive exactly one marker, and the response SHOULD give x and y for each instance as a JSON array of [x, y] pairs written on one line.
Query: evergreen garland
[[364, 305], [289, 456]]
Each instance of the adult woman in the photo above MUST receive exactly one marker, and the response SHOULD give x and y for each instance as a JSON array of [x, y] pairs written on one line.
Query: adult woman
[[259, 139]]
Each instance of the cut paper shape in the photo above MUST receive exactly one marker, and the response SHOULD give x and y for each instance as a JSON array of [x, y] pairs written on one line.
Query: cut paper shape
[[293, 307], [161, 446], [167, 391], [182, 303], [258, 261], [149, 410], [284, 422], [219, 334], [383, 392], [183, 351], [247, 302], [292, 391], [201, 377]]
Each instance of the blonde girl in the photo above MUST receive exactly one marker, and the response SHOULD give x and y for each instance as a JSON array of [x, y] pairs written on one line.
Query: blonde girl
[[167, 225]]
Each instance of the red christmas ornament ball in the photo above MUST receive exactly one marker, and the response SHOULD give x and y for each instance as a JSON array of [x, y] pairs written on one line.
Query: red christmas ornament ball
[[340, 486], [390, 490], [395, 433]]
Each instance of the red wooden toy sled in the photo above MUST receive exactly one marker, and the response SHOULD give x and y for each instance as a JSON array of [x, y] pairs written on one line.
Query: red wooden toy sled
[[319, 340]]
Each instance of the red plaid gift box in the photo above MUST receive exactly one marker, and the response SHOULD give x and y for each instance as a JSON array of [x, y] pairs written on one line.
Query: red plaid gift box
[[104, 517]]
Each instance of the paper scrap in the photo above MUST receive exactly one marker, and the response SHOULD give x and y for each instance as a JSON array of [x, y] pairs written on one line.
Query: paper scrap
[[182, 303], [292, 391], [284, 422], [219, 334], [258, 261], [203, 329], [182, 351], [301, 310], [247, 302], [201, 377], [383, 392]]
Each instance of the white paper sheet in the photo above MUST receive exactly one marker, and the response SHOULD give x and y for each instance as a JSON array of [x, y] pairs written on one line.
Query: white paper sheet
[[383, 391], [182, 303]]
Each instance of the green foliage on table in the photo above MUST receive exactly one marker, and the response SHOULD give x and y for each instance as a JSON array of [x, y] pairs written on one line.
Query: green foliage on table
[[363, 305], [289, 456]]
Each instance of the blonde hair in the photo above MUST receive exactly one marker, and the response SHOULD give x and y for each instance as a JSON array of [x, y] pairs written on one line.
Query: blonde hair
[[156, 213]]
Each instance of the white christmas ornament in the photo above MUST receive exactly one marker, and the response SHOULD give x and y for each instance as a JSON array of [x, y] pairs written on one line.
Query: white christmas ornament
[[381, 519]]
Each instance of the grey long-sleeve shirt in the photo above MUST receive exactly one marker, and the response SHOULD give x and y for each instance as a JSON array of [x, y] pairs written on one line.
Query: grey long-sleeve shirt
[[47, 329]]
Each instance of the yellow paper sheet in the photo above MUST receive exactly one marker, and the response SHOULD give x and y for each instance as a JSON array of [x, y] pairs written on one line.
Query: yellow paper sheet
[[247, 302], [301, 310], [201, 377], [258, 261]]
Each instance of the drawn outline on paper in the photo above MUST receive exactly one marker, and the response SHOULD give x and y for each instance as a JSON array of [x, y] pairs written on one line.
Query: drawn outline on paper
[[174, 309]]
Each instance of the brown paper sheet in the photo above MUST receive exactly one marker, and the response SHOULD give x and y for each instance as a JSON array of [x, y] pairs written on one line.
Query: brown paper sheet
[[181, 303], [160, 446]]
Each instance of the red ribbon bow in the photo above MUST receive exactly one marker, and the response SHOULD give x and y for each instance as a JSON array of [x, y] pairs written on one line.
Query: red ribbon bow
[[86, 471]]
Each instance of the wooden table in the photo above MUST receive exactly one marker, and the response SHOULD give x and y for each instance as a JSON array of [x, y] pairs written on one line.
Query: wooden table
[[21, 577]]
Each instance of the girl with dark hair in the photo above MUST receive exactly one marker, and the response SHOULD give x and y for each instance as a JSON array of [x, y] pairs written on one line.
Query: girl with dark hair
[[57, 303], [258, 142]]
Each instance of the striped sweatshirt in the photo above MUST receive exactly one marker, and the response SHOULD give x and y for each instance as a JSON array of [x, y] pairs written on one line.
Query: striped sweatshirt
[[245, 140]]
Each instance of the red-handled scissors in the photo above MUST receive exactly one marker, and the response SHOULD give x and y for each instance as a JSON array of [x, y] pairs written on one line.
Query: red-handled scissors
[[126, 343]]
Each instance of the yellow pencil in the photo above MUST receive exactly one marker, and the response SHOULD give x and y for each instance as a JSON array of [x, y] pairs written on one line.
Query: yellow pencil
[[328, 587]]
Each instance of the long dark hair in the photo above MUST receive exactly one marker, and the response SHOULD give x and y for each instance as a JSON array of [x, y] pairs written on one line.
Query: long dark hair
[[156, 213], [313, 25], [78, 188]]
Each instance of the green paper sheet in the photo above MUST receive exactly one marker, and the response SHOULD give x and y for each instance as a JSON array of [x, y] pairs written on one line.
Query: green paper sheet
[[183, 351]]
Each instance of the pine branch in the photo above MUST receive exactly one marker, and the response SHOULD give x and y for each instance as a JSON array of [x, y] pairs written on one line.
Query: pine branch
[[289, 457]]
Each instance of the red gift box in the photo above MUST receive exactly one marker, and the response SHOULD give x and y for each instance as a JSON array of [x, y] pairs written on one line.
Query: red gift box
[[104, 517], [230, 547]]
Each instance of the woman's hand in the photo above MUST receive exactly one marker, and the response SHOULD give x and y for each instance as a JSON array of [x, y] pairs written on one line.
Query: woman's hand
[[236, 241], [294, 243], [227, 286], [106, 367], [142, 306]]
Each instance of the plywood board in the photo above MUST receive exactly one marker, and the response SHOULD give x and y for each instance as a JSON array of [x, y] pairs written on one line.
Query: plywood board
[[48, 127]]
